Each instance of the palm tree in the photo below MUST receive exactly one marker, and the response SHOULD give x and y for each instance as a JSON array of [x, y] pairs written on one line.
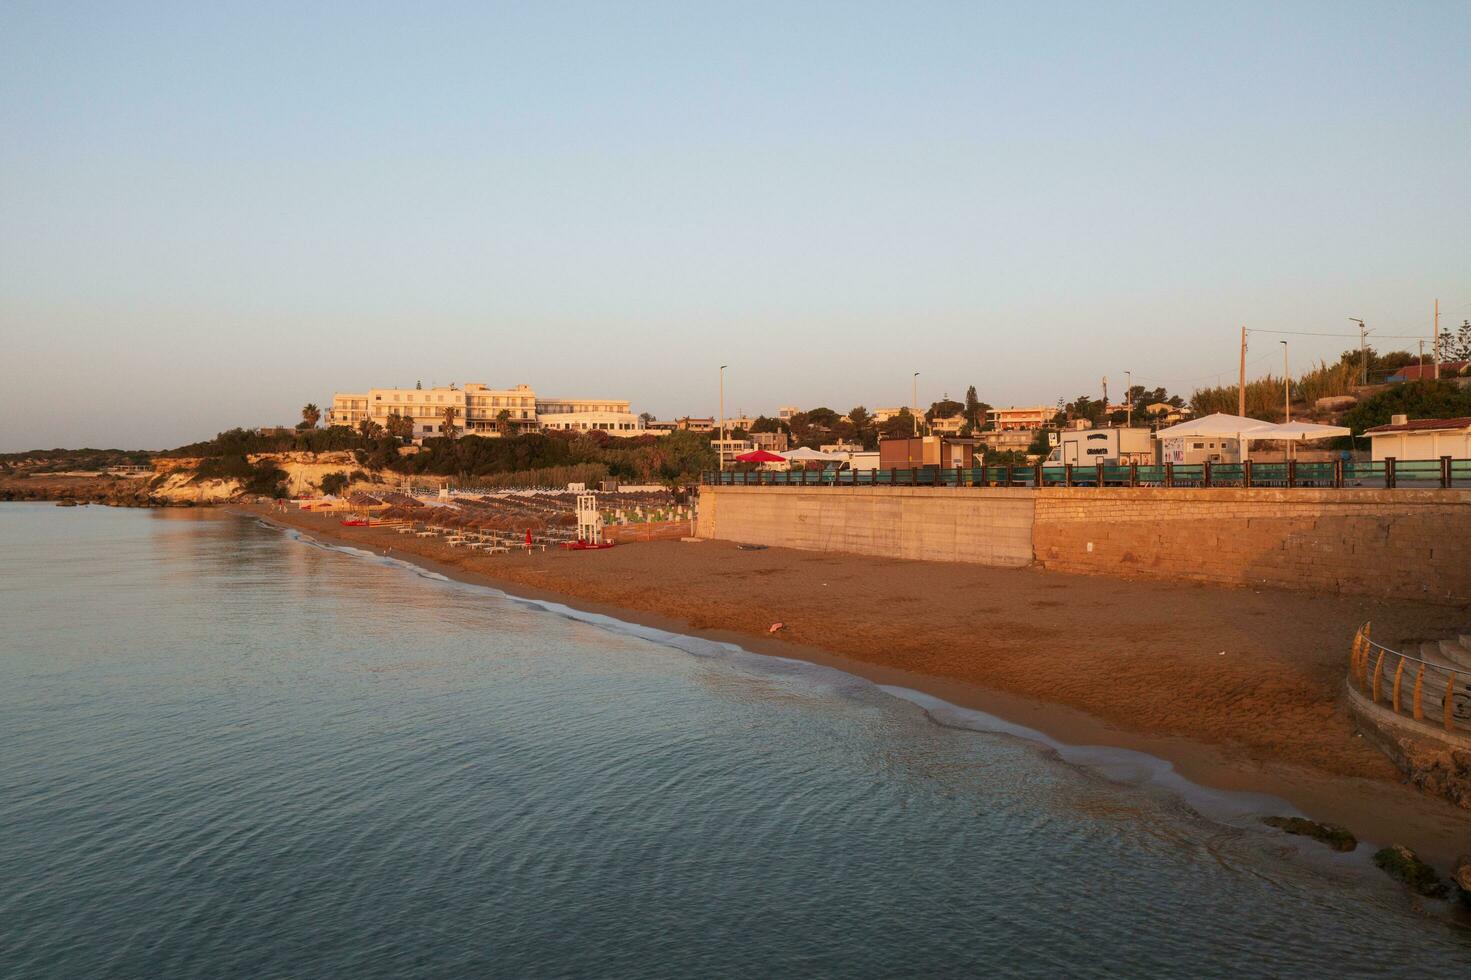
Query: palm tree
[[369, 429], [503, 421], [400, 426], [310, 415], [450, 429]]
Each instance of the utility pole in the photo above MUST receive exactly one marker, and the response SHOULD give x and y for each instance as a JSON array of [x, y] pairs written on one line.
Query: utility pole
[[1363, 352], [1241, 383], [1422, 362], [1435, 345], [1105, 394], [720, 450], [1129, 398]]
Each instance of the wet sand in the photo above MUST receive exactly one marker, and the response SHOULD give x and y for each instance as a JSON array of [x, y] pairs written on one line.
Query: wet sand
[[1239, 689]]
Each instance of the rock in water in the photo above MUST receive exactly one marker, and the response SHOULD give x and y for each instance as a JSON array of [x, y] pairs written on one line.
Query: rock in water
[[1404, 864], [1333, 835]]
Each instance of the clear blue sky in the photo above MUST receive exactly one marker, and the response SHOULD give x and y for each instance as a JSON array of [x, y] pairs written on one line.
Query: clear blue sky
[[212, 213]]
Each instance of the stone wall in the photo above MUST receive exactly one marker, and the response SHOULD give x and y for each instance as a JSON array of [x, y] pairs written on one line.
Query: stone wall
[[1399, 543], [1396, 544], [988, 527]]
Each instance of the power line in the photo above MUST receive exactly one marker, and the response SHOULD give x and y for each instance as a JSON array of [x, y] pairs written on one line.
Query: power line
[[1308, 333]]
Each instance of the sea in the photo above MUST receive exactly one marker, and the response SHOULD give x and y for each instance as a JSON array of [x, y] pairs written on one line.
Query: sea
[[229, 750]]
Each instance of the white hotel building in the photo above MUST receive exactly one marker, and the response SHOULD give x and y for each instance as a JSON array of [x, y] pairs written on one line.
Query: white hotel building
[[478, 409]]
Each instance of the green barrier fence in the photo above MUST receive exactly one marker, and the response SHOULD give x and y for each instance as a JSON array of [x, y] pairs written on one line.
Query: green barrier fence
[[1291, 474]]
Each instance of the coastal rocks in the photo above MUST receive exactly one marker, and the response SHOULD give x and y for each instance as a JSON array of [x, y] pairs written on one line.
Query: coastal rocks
[[1440, 772], [1438, 762], [1333, 835], [1461, 875], [1405, 865]]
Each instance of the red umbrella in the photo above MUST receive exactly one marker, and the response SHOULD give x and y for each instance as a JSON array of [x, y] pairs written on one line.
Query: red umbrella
[[760, 456]]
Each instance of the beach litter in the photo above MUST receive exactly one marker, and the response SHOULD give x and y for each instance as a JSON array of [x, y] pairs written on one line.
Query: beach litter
[[775, 627]]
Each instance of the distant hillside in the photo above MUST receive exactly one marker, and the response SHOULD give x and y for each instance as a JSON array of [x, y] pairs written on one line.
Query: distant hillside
[[65, 460]]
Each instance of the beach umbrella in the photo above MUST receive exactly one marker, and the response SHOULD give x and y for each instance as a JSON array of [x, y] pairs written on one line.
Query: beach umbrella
[[760, 456]]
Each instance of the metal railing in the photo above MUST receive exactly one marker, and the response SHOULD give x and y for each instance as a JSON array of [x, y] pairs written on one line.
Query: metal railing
[[1386, 474], [1435, 695]]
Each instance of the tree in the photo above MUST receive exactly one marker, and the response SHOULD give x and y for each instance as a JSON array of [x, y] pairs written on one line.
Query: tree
[[975, 410], [1041, 443], [898, 426], [450, 430], [822, 417], [400, 426], [334, 483], [864, 430], [1457, 346], [1084, 407], [310, 416], [764, 424], [644, 418], [945, 408], [369, 430], [503, 421]]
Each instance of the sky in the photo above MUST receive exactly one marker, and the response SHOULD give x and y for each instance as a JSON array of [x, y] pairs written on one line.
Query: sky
[[211, 214]]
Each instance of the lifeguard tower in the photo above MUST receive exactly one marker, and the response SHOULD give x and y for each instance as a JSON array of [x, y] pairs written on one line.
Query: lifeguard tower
[[589, 521]]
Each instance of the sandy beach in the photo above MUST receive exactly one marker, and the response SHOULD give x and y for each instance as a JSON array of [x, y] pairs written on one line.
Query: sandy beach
[[1240, 689]]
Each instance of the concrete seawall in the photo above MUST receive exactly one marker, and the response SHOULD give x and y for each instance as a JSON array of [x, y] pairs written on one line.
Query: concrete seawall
[[990, 527], [1398, 544]]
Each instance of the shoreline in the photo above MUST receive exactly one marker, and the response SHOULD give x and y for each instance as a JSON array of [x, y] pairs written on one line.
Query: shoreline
[[1378, 806]]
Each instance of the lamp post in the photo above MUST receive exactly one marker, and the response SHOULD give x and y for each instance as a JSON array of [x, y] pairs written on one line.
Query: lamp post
[[720, 449], [1286, 387], [914, 400], [1286, 400], [1128, 399], [1363, 351]]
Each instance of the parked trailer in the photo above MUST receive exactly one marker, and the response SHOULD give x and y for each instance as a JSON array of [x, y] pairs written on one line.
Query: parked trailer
[[1111, 447]]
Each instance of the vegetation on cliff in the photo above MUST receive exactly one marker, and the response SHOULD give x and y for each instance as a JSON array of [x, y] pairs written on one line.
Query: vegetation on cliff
[[672, 459], [1429, 399]]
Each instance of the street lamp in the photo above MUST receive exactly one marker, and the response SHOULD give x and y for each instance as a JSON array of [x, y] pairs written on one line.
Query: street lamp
[[720, 449], [914, 400], [1128, 399], [1286, 399], [1286, 387]]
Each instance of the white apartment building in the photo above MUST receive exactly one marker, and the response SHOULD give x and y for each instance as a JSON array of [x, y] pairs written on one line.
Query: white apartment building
[[478, 409], [587, 414]]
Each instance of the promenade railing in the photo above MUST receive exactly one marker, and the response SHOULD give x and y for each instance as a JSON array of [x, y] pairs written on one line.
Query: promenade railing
[[1437, 695], [1386, 474]]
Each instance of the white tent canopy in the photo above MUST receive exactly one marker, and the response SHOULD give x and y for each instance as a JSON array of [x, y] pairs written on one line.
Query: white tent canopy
[[1221, 425], [1300, 431], [803, 454]]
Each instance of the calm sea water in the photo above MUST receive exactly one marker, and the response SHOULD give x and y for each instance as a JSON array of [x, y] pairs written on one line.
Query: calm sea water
[[226, 751]]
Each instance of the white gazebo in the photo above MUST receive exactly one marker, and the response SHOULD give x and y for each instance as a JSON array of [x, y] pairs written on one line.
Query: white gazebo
[[1219, 426], [804, 455]]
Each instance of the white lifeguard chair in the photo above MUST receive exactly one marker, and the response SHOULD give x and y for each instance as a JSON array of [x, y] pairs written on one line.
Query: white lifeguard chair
[[589, 522]]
